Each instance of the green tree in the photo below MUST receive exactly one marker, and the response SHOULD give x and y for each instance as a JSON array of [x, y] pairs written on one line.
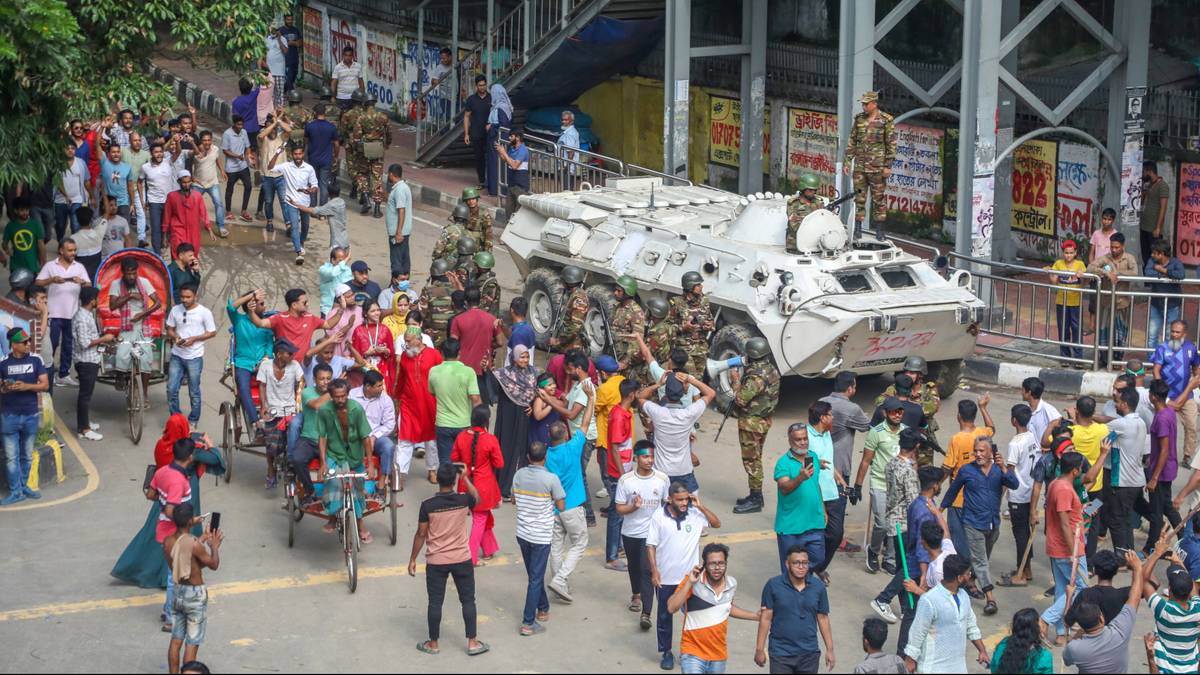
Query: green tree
[[65, 59]]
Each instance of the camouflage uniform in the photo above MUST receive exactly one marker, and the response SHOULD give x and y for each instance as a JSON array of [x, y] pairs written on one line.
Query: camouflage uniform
[[927, 396], [345, 129], [371, 126], [479, 226], [755, 404], [446, 247], [872, 148], [628, 319], [435, 302], [489, 293], [299, 116], [693, 318], [798, 208], [570, 330]]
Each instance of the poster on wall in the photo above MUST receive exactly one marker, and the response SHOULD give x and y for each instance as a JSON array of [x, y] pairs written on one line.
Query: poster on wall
[[950, 181], [343, 32], [725, 132], [1187, 231], [417, 64], [313, 59], [1131, 180], [1077, 190], [812, 148], [982, 210], [382, 70], [915, 186], [1033, 188]]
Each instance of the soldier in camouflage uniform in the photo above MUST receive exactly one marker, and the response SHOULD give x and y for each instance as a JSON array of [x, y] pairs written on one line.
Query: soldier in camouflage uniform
[[465, 266], [693, 317], [297, 115], [872, 148], [345, 129], [800, 206], [661, 335], [923, 392], [627, 320], [489, 285], [371, 127], [446, 247], [479, 223], [756, 394], [435, 302], [573, 311]]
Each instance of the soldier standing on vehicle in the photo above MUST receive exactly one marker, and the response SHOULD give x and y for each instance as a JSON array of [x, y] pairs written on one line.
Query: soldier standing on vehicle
[[479, 223], [872, 148], [627, 320], [489, 285], [345, 128], [660, 335], [800, 206], [373, 135], [924, 393], [574, 311], [297, 115], [756, 394], [446, 247], [435, 302], [693, 317]]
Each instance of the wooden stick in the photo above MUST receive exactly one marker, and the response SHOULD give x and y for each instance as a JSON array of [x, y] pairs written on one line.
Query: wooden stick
[[1025, 558], [1074, 564], [870, 519]]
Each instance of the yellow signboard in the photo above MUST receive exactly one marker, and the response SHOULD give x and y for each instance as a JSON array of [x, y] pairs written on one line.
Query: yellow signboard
[[725, 132], [1034, 187]]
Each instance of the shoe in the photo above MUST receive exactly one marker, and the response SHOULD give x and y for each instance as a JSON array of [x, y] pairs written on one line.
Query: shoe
[[13, 498], [976, 594], [824, 577], [990, 608], [849, 547], [591, 522], [889, 569], [529, 629], [31, 493], [93, 426], [753, 504], [872, 565], [90, 435], [66, 381], [1049, 593], [644, 622], [272, 482], [378, 213], [884, 611], [668, 661], [299, 259], [743, 500], [223, 233], [616, 566], [560, 589], [602, 494]]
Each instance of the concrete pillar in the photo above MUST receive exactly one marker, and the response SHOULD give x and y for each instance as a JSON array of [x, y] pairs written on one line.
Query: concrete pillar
[[677, 67], [845, 95], [858, 19], [997, 102], [1131, 27], [964, 242], [754, 95]]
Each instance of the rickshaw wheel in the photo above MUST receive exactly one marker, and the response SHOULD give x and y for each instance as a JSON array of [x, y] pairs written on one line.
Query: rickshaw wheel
[[350, 528], [133, 401], [292, 509], [393, 505], [228, 439]]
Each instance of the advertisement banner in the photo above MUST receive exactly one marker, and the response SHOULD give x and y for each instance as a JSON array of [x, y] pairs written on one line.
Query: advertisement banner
[[1033, 188], [982, 211], [313, 58], [725, 132], [343, 32], [1188, 232], [812, 144], [1078, 190], [382, 70], [915, 186], [417, 65]]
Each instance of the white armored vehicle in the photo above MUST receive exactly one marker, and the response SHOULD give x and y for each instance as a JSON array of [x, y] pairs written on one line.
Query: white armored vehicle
[[834, 305]]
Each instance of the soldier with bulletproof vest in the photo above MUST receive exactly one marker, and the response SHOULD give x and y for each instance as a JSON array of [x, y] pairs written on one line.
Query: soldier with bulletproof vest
[[800, 206], [627, 320], [465, 264], [755, 397], [662, 333], [489, 285], [694, 320], [446, 247], [372, 134], [435, 302], [297, 115], [871, 149], [573, 312], [479, 223], [345, 129], [924, 393]]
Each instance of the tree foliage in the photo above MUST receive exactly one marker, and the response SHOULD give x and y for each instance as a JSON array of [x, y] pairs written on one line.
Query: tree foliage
[[66, 59]]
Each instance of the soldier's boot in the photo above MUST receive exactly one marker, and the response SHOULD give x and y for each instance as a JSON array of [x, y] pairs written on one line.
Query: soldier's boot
[[364, 203], [753, 503], [353, 190], [378, 212]]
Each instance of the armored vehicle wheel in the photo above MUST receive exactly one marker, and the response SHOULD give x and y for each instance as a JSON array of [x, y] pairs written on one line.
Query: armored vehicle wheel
[[601, 305], [728, 342], [946, 374], [544, 292]]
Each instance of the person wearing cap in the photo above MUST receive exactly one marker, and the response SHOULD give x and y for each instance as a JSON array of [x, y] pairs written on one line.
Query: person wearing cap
[[189, 326], [350, 319], [799, 206], [880, 448], [1064, 273], [364, 289], [487, 282], [22, 379], [674, 424], [281, 381], [870, 151], [608, 397], [479, 221], [185, 214]]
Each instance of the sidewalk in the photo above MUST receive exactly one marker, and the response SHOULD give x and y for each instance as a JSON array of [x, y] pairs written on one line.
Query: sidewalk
[[211, 91]]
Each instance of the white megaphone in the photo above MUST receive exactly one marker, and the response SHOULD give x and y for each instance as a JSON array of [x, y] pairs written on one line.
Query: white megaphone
[[715, 367]]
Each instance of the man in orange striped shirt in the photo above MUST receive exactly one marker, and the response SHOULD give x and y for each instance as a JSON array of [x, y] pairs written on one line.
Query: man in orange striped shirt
[[706, 597]]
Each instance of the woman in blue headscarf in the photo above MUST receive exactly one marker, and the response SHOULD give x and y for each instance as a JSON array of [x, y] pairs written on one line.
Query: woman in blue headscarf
[[500, 116]]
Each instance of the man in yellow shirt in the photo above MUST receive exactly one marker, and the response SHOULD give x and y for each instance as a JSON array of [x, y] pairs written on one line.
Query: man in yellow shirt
[[1087, 434], [1065, 274], [608, 396], [960, 453]]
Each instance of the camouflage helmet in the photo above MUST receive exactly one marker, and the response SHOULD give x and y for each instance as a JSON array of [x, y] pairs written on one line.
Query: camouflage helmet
[[757, 348], [294, 96], [461, 213], [326, 94], [370, 99], [470, 193], [916, 364], [484, 260], [628, 284], [358, 96], [572, 276], [467, 246], [20, 278], [658, 308], [809, 182], [691, 280], [439, 268]]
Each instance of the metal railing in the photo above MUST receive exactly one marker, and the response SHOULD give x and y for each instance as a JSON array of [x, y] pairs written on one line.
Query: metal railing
[[1173, 119]]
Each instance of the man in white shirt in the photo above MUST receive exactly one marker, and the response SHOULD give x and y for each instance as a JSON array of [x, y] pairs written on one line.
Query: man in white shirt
[[159, 180], [71, 194], [674, 425], [189, 325], [640, 494], [347, 78], [238, 152], [208, 172], [381, 415], [301, 184], [1043, 414], [277, 46], [569, 141], [1023, 453]]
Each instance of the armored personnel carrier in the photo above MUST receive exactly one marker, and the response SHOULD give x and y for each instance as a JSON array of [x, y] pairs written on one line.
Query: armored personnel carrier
[[833, 305]]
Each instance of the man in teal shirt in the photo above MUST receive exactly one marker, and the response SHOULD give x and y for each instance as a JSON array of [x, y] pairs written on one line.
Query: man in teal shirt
[[346, 444], [251, 345], [399, 220], [456, 388], [306, 447], [800, 511], [820, 440]]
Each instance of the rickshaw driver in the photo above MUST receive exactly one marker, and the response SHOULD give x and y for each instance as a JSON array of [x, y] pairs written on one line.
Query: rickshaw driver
[[345, 445], [134, 298]]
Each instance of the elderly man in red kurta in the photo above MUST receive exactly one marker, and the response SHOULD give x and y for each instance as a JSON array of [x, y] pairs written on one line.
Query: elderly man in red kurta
[[185, 214], [417, 406]]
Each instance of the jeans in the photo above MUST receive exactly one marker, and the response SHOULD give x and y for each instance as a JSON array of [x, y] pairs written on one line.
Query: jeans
[[88, 372], [300, 454], [19, 432], [291, 69], [46, 216], [1155, 324], [272, 186], [399, 256], [958, 533], [980, 543], [324, 180], [64, 213], [1097, 529], [881, 543], [445, 442], [242, 177], [156, 225], [895, 587], [1068, 330], [835, 529], [294, 429], [1018, 516], [244, 378], [1154, 509], [664, 626], [385, 450], [169, 605], [812, 541], [612, 534], [569, 543], [179, 368], [535, 556], [639, 571], [214, 193], [139, 215], [298, 220], [586, 458], [1053, 616], [60, 332], [697, 665], [688, 480], [435, 585]]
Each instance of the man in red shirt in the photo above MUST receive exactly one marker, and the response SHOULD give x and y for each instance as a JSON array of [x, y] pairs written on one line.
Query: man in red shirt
[[479, 333], [1064, 540], [296, 325], [617, 461]]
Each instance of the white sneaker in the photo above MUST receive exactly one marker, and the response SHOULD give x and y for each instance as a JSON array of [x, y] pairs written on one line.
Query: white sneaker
[[67, 381], [601, 494], [90, 435], [884, 611], [93, 426]]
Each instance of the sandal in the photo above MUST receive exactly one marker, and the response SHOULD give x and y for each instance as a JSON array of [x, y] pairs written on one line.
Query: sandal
[[1006, 580], [483, 648], [425, 648], [365, 537], [635, 604], [543, 617]]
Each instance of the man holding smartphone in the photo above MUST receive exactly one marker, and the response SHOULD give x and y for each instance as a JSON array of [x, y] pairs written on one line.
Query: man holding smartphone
[[800, 513], [706, 598], [188, 556]]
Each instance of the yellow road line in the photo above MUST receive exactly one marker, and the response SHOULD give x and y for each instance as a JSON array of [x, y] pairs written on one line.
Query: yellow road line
[[218, 591], [93, 476]]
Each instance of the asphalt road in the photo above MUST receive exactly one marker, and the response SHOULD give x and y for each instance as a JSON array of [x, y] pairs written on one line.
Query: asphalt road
[[280, 609]]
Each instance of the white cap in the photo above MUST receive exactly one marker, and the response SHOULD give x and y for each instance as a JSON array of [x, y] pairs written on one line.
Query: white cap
[[341, 289], [184, 174]]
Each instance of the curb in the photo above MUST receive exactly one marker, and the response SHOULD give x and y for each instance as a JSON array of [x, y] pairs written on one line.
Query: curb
[[214, 106], [1057, 380]]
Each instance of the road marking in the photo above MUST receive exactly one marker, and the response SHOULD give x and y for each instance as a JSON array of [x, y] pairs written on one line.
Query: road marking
[[93, 476], [220, 591]]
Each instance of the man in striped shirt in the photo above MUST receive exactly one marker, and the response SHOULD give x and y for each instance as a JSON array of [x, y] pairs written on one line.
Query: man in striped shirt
[[1176, 616], [706, 597], [537, 493]]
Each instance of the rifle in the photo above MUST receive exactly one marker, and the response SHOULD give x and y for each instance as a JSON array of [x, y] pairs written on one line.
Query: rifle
[[842, 200], [728, 409]]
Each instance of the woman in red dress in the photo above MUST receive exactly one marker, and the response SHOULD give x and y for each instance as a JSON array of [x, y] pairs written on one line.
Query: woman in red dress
[[417, 406], [372, 342], [480, 452]]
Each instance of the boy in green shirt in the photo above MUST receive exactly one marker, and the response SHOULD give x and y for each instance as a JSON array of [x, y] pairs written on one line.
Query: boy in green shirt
[[345, 445], [22, 245]]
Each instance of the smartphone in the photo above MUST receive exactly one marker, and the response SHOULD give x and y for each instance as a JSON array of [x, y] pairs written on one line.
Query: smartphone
[[216, 521], [151, 469], [808, 463], [461, 466], [1093, 508]]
